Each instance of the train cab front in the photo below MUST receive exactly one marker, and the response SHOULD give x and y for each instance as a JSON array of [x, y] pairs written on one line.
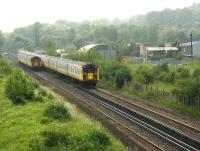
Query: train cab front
[[36, 63], [90, 75]]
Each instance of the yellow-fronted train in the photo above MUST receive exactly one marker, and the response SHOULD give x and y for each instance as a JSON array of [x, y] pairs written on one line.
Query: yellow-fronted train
[[83, 73]]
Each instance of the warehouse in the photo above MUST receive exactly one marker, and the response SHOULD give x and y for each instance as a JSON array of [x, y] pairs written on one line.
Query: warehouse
[[186, 48], [106, 51], [161, 52]]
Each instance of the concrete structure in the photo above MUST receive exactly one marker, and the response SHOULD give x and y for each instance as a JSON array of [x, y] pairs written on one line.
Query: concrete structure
[[160, 52], [40, 51], [107, 51], [140, 49], [60, 51], [186, 48]]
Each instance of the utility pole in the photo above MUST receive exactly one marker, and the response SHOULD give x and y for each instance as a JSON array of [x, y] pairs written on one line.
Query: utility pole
[[191, 45]]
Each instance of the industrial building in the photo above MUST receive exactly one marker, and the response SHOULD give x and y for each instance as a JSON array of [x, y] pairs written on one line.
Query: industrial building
[[107, 51], [160, 52], [187, 51]]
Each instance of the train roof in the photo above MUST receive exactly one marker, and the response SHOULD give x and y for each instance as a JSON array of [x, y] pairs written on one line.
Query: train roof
[[63, 60], [29, 54]]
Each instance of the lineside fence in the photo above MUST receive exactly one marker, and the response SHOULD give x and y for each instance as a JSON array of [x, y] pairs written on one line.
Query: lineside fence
[[158, 92]]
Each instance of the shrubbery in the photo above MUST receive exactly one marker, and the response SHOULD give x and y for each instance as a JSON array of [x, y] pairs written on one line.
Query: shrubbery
[[144, 75], [188, 88], [123, 74], [196, 73], [63, 140], [55, 138], [5, 66], [99, 138], [57, 112], [20, 88], [183, 72]]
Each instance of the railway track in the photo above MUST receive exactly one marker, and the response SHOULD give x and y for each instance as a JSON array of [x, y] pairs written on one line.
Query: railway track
[[154, 133], [189, 130]]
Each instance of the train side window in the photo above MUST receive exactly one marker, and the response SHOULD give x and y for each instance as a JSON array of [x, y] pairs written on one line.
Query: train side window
[[67, 67]]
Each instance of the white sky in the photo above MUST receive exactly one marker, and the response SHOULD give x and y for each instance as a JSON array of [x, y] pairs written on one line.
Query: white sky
[[18, 13]]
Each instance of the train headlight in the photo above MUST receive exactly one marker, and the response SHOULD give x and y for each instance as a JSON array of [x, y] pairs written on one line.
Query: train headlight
[[90, 76]]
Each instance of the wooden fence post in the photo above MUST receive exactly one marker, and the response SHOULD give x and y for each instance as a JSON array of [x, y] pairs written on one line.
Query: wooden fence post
[[198, 103]]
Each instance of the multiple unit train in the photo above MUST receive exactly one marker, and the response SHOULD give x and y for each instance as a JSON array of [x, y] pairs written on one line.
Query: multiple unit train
[[81, 72]]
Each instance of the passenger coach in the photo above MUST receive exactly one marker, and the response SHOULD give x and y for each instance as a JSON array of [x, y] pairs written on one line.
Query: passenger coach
[[30, 59], [81, 72]]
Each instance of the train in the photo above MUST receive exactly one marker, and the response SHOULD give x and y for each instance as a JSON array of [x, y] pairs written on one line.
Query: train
[[83, 73]]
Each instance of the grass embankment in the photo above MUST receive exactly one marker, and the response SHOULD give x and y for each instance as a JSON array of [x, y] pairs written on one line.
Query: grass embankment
[[46, 124]]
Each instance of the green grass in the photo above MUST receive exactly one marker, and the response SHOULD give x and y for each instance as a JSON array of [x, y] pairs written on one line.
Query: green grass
[[21, 124]]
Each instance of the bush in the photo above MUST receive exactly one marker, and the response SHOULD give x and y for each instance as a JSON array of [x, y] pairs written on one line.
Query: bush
[[99, 138], [37, 145], [122, 75], [55, 138], [57, 112], [19, 87], [161, 68], [50, 96], [183, 72], [161, 76], [170, 77], [196, 73], [45, 120], [38, 98], [189, 88], [144, 75], [43, 92], [5, 66]]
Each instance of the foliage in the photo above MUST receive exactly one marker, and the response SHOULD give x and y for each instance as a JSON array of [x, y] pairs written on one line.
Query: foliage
[[151, 28], [24, 123], [19, 87], [161, 68], [57, 112], [5, 66], [2, 40], [43, 92], [189, 88], [55, 138], [123, 74], [183, 72], [144, 75], [196, 73], [99, 138]]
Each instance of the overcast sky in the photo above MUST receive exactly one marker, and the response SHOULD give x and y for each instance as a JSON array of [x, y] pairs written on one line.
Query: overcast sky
[[18, 13]]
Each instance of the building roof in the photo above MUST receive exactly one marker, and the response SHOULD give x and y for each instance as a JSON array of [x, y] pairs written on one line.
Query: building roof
[[91, 46], [189, 43], [161, 48], [88, 47]]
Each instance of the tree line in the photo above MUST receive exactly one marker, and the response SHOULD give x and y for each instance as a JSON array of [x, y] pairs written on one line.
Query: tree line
[[155, 27]]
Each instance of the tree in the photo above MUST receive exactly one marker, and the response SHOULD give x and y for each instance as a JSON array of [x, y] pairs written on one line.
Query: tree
[[36, 32], [123, 74], [2, 40], [19, 87], [50, 46]]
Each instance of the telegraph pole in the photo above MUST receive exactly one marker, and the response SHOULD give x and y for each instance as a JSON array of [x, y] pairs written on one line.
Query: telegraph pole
[[191, 45]]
